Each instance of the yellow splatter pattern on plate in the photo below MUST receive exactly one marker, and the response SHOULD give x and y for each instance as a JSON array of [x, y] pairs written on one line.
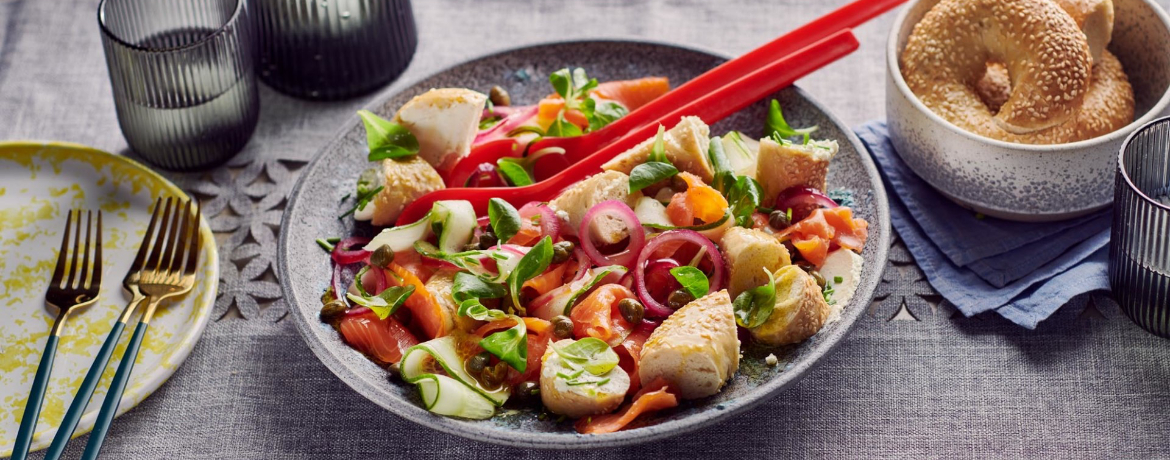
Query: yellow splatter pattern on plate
[[39, 184]]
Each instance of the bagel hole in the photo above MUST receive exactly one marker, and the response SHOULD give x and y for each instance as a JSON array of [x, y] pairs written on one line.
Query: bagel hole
[[995, 86]]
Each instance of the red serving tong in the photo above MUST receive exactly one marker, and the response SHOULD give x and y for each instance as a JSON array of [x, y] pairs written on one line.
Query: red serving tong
[[577, 148], [710, 107]]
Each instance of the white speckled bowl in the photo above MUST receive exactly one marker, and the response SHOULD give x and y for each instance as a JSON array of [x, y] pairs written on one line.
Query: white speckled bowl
[[1028, 182]]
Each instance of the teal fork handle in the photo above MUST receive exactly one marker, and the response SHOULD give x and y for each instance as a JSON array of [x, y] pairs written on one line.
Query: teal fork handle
[[32, 409], [84, 392], [114, 396]]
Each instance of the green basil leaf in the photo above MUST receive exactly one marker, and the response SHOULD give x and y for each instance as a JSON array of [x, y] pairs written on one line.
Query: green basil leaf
[[385, 303], [649, 173], [387, 139], [744, 197], [778, 129], [561, 82], [600, 115], [581, 83], [514, 171], [504, 219], [532, 264], [468, 286], [510, 345], [562, 128], [590, 353], [754, 306], [692, 279]]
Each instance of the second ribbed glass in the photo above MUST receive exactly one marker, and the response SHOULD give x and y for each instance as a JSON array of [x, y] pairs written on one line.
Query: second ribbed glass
[[183, 77], [1139, 255], [333, 49]]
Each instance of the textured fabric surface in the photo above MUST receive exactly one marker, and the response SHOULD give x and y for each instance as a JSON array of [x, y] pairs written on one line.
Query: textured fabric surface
[[915, 380], [1038, 266]]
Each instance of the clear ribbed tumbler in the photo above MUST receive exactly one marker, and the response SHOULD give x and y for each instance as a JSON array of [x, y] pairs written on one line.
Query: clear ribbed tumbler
[[183, 76], [333, 49], [1139, 255]]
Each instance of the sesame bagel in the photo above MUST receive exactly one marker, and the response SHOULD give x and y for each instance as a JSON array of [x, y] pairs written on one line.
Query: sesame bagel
[[1108, 106], [1095, 18], [1046, 54]]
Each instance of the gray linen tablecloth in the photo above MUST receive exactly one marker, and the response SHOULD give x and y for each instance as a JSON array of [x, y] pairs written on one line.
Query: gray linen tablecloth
[[913, 380]]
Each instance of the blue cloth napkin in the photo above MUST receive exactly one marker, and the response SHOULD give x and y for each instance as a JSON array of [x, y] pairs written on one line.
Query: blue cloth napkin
[[1023, 271]]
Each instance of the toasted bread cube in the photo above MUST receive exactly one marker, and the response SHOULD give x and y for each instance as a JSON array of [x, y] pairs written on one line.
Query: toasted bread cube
[[579, 400], [800, 309], [781, 166], [685, 146], [748, 253], [405, 179], [445, 122], [576, 200], [696, 349]]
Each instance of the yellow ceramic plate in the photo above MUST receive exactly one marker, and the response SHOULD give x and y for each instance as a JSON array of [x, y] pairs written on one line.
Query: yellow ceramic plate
[[39, 184]]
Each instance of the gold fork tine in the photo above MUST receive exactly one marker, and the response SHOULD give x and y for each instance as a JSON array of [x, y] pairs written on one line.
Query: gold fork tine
[[175, 270], [143, 248], [157, 248], [97, 255], [71, 281], [197, 246], [83, 280], [63, 254]]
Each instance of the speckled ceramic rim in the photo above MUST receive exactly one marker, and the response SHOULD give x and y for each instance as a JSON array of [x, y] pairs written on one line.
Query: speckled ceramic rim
[[134, 395], [895, 72], [1121, 162], [471, 430]]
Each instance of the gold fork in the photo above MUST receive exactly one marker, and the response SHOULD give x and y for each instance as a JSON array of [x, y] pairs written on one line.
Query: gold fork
[[74, 285], [168, 271]]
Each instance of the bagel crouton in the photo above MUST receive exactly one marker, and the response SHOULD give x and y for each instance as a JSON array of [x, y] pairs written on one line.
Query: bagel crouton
[[445, 122], [696, 348], [748, 253], [685, 146], [405, 179], [780, 166], [575, 201]]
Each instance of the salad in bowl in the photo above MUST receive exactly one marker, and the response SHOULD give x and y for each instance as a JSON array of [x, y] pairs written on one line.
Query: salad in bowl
[[633, 290]]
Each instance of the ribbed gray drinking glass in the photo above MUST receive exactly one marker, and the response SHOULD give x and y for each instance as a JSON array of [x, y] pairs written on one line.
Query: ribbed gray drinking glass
[[1139, 255], [183, 75], [333, 49]]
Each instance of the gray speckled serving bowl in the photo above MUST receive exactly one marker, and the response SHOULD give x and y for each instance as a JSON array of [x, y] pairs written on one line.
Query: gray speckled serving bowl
[[312, 211], [1028, 182]]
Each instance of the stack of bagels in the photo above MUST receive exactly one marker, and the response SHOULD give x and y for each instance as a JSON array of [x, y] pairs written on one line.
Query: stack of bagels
[[1024, 71]]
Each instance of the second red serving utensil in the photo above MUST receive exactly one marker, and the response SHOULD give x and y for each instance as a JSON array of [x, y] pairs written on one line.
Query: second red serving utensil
[[710, 107], [577, 148]]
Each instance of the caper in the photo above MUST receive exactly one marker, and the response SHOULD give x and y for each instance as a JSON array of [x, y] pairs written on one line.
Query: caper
[[333, 310], [779, 220], [632, 310], [805, 265], [499, 96], [819, 278], [382, 257], [493, 376], [487, 239], [679, 299], [525, 392], [562, 251], [477, 363], [562, 327]]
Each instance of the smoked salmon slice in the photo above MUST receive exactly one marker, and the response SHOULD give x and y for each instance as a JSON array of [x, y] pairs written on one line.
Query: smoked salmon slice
[[813, 235], [599, 316], [655, 397], [382, 339], [424, 309]]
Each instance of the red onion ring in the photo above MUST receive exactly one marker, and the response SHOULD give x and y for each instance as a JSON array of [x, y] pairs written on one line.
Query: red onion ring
[[510, 122], [655, 309], [550, 225], [344, 254], [802, 201], [583, 264], [380, 281], [621, 211]]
